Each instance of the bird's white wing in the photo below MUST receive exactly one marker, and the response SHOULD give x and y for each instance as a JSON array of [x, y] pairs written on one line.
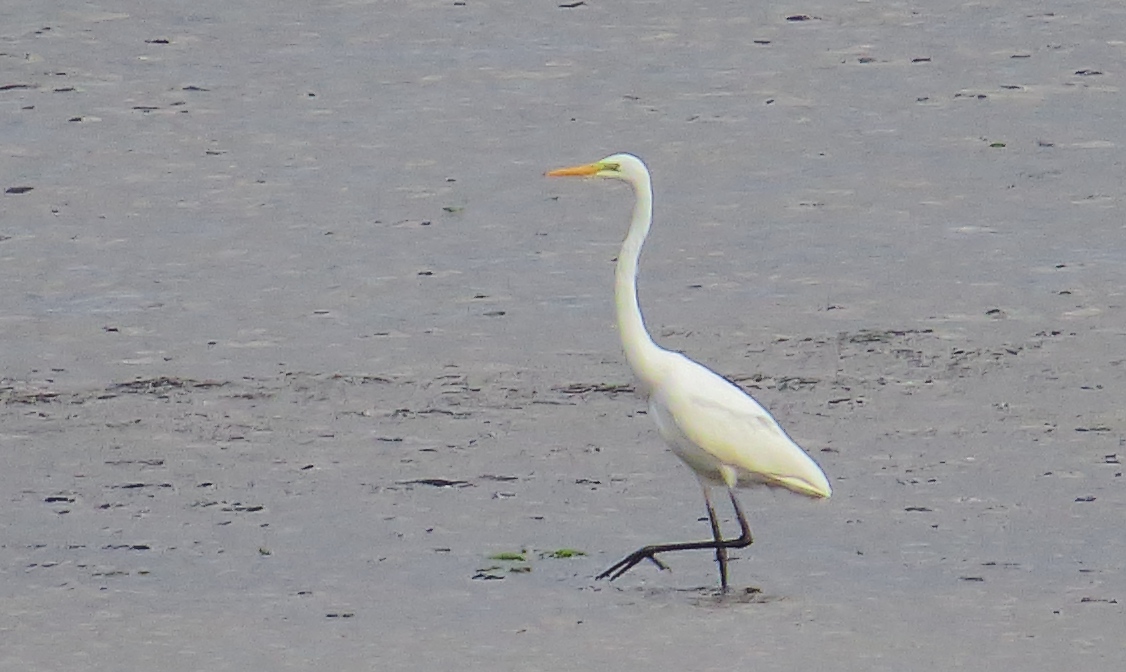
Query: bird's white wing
[[718, 418]]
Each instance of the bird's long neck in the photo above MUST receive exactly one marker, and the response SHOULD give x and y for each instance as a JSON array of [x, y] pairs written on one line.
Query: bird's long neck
[[641, 352]]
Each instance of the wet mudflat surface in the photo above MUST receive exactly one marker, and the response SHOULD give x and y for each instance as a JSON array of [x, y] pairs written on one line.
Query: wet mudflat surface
[[305, 363]]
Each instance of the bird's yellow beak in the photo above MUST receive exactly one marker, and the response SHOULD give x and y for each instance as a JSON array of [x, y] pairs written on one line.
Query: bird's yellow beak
[[587, 170]]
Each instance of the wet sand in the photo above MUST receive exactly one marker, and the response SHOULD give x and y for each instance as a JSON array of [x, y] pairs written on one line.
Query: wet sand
[[296, 336]]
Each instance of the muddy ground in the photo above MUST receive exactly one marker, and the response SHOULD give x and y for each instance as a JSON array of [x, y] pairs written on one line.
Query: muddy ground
[[304, 363]]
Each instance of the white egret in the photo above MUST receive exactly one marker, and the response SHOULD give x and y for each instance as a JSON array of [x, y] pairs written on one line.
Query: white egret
[[719, 431]]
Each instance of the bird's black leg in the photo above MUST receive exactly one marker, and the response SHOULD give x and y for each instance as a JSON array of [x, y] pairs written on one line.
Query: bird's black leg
[[745, 539], [649, 552], [720, 549]]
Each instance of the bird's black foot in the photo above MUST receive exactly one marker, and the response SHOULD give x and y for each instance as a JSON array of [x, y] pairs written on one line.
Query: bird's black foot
[[627, 563]]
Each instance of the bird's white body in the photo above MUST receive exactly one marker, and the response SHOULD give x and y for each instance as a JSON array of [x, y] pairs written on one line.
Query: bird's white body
[[716, 428], [726, 436], [723, 434]]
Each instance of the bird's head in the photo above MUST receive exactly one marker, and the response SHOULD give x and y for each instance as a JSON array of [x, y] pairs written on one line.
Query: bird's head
[[625, 167]]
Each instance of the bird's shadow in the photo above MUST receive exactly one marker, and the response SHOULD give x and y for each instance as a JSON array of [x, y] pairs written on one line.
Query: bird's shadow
[[709, 596], [717, 599]]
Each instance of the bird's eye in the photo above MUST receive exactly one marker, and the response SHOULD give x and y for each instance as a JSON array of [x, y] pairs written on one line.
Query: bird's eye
[[614, 167]]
